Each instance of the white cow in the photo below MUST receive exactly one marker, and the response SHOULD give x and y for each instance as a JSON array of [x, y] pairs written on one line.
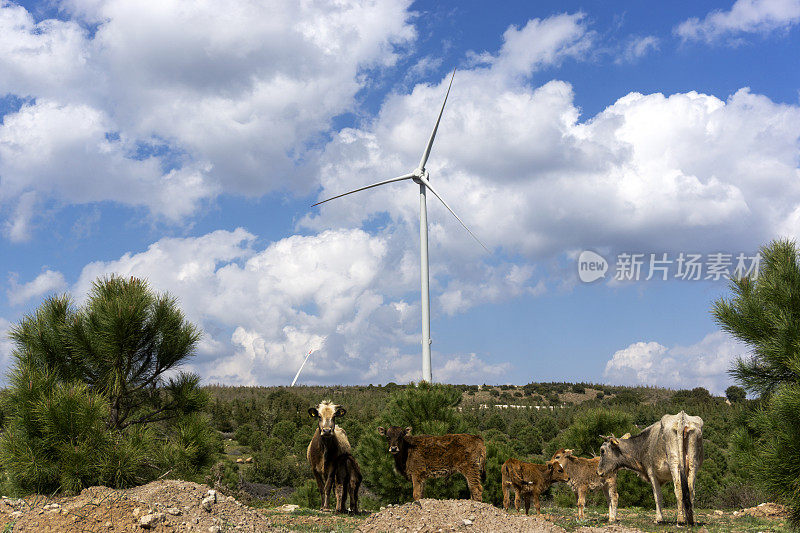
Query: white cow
[[669, 450]]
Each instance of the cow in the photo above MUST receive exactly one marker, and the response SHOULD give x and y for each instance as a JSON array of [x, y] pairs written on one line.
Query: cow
[[529, 479], [331, 459], [583, 477], [669, 450], [420, 457]]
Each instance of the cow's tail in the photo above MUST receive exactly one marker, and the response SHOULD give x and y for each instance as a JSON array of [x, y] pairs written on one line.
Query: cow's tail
[[683, 431]]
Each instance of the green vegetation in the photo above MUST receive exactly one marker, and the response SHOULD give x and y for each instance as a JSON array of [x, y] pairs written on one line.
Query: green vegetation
[[277, 416], [88, 402], [765, 314]]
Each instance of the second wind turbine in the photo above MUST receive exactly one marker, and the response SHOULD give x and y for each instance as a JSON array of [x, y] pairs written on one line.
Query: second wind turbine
[[421, 177]]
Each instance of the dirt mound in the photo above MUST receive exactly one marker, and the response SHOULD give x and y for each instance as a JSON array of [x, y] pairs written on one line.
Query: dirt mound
[[429, 515], [160, 506], [764, 510]]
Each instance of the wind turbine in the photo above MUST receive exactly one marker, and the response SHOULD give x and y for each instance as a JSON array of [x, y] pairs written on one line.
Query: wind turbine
[[421, 177]]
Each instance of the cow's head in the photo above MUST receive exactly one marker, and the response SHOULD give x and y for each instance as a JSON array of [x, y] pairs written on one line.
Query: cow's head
[[562, 456], [395, 436], [611, 456], [556, 471], [326, 413]]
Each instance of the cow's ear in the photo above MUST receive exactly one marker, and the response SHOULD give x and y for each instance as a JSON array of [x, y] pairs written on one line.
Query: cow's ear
[[381, 431], [313, 412], [568, 452], [408, 432], [340, 412]]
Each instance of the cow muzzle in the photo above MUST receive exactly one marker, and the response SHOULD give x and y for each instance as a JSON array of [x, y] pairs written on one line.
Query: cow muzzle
[[326, 431], [393, 449]]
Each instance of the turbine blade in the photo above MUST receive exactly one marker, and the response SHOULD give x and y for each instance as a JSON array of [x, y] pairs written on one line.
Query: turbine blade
[[436, 127], [398, 178], [430, 188]]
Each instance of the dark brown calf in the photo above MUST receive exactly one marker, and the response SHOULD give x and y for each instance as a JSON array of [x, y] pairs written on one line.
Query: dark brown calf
[[421, 457], [529, 479], [583, 477], [331, 459]]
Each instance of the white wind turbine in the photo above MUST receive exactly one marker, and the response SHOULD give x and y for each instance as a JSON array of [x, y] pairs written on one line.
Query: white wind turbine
[[421, 177]]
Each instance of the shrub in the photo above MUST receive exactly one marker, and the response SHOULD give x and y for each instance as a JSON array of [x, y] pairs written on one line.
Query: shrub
[[88, 402]]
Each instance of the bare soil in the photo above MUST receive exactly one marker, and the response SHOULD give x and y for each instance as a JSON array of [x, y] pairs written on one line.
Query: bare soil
[[429, 515]]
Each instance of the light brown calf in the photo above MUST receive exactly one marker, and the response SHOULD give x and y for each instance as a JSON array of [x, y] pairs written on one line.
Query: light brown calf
[[583, 477]]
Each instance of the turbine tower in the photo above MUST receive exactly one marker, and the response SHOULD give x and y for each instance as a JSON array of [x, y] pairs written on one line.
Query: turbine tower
[[421, 177]]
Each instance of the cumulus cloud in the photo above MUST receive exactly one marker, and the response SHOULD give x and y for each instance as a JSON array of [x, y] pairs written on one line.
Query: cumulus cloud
[[170, 106], [45, 283], [703, 364], [745, 16], [649, 172], [342, 293]]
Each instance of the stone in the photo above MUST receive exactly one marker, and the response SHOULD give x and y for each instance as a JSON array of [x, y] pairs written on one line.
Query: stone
[[151, 520], [174, 511]]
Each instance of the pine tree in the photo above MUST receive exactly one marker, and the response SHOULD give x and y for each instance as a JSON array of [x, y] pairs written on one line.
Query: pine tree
[[765, 313], [88, 400]]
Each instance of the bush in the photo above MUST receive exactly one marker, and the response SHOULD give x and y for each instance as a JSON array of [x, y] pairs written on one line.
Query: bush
[[88, 402]]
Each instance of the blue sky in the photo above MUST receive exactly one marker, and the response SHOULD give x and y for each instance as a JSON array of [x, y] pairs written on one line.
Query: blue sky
[[185, 143]]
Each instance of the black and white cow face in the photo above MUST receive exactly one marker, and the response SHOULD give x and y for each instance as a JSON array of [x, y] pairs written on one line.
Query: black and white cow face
[[326, 414]]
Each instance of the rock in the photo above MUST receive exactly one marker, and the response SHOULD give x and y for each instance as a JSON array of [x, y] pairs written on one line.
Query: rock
[[151, 520], [50, 506], [240, 460], [136, 512], [214, 529], [718, 512], [213, 494], [467, 522], [207, 502], [174, 511], [248, 460], [16, 514], [288, 508]]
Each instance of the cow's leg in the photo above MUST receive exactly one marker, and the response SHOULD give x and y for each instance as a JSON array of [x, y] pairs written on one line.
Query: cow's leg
[[329, 480], [612, 497], [581, 500], [517, 498], [675, 469], [341, 497], [321, 487], [418, 484], [474, 483], [355, 483], [657, 495], [536, 503], [506, 497]]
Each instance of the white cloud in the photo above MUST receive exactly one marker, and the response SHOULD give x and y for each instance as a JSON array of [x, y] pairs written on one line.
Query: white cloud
[[170, 105], [342, 292], [745, 16], [703, 364], [46, 283], [6, 346], [649, 172], [638, 47]]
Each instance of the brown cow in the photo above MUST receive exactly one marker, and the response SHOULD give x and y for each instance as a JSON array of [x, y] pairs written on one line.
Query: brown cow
[[420, 457], [529, 479], [583, 477], [331, 459]]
